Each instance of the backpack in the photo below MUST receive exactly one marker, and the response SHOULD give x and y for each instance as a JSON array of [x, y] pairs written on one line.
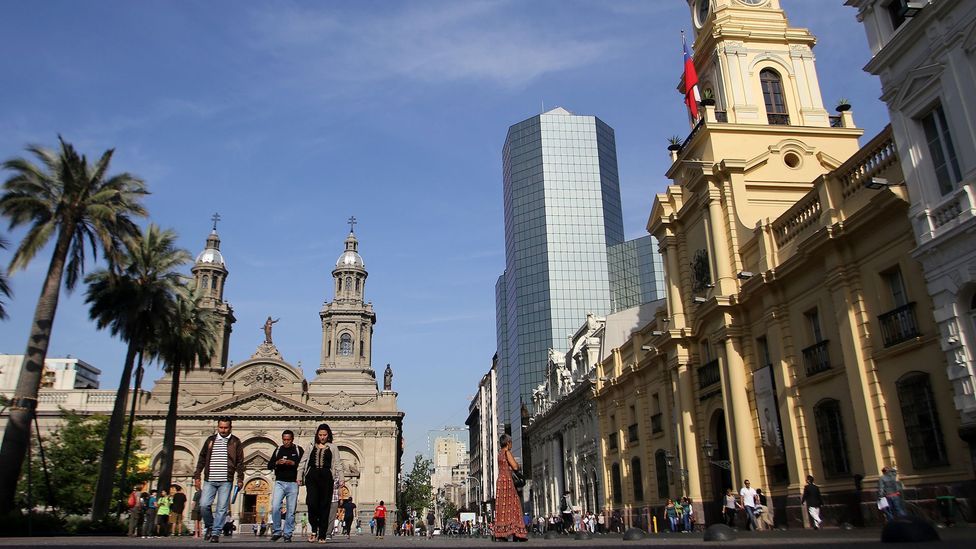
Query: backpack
[[132, 500]]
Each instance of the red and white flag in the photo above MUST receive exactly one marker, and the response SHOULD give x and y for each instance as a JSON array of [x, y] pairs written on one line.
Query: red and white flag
[[691, 81]]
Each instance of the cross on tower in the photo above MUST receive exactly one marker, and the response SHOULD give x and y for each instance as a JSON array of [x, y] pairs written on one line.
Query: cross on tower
[[215, 218], [352, 223]]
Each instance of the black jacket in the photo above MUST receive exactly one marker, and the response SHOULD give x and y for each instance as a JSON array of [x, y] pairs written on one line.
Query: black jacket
[[811, 496]]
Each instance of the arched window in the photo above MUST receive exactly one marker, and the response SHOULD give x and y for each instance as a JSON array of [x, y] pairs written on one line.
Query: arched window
[[635, 473], [357, 284], [615, 484], [348, 283], [213, 283], [830, 432], [661, 471], [921, 419], [345, 345], [772, 90], [362, 349], [206, 282]]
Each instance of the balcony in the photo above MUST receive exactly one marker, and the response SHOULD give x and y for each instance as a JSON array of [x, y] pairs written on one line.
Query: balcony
[[612, 442], [632, 433], [656, 423], [899, 325], [776, 119], [708, 374], [816, 358]]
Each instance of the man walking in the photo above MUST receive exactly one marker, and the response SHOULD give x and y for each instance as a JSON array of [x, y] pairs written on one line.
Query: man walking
[[221, 458], [348, 512], [748, 495], [176, 509], [284, 462], [566, 512], [891, 488], [813, 499], [430, 523], [380, 515], [136, 511]]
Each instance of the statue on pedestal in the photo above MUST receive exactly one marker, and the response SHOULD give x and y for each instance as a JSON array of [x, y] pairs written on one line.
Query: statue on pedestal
[[388, 379], [267, 329]]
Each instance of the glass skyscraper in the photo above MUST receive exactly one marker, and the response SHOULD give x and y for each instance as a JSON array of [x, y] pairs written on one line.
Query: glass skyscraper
[[636, 273], [562, 212]]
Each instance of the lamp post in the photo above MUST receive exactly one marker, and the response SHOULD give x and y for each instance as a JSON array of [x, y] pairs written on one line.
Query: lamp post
[[682, 473], [709, 450]]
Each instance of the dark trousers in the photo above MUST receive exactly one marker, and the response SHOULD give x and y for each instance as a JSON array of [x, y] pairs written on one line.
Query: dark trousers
[[380, 526], [318, 496]]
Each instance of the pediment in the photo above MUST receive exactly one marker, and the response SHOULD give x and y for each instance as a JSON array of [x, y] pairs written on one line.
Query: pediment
[[258, 402], [917, 83]]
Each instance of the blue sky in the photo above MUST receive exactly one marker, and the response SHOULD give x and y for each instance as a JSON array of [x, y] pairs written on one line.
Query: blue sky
[[288, 117]]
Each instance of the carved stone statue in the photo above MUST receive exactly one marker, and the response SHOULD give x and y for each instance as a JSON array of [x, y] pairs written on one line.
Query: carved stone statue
[[388, 379], [267, 329]]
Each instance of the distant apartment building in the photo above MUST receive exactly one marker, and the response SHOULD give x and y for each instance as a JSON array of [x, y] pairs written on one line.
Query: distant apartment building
[[483, 432], [59, 373]]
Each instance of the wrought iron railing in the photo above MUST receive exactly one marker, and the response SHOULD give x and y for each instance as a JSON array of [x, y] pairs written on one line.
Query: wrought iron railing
[[816, 358], [721, 116], [836, 121], [778, 119], [899, 325], [708, 374]]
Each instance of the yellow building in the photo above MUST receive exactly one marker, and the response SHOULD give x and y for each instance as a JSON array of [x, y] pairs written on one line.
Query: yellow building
[[798, 337]]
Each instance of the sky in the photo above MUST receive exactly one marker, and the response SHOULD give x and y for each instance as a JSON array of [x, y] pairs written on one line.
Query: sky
[[289, 117]]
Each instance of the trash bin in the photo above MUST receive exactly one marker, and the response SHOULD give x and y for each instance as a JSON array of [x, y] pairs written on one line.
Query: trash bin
[[947, 507]]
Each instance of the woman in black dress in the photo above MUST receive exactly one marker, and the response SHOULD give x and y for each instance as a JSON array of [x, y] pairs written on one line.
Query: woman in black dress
[[318, 470]]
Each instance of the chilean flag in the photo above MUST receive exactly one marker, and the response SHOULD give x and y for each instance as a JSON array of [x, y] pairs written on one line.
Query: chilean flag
[[691, 81]]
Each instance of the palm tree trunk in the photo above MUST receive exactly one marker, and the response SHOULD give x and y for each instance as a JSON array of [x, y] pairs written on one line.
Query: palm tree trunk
[[113, 439], [123, 481], [169, 434], [16, 437]]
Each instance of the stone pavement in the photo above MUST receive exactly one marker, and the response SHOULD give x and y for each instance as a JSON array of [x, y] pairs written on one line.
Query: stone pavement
[[835, 538]]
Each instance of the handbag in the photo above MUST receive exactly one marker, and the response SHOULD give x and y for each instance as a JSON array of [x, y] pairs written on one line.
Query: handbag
[[518, 479]]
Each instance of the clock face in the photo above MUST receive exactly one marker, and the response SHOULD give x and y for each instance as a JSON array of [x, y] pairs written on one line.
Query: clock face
[[702, 12], [752, 2]]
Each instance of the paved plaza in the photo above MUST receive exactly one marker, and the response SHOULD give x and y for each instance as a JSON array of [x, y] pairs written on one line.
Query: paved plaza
[[835, 538]]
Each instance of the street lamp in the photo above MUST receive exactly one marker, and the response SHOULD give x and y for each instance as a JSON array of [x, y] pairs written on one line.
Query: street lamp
[[709, 450], [682, 473]]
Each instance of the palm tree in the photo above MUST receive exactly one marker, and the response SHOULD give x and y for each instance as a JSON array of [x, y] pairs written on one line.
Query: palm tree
[[4, 288], [75, 202], [190, 339], [133, 302]]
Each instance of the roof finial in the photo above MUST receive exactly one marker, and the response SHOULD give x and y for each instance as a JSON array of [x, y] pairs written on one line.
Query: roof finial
[[215, 218], [352, 224]]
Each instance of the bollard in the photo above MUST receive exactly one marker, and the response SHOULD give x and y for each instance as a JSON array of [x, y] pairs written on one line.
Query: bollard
[[654, 521]]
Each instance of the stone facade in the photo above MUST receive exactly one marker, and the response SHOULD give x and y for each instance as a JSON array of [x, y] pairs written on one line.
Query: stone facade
[[926, 63]]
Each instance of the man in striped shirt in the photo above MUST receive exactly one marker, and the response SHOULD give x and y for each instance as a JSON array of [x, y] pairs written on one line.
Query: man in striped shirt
[[221, 457]]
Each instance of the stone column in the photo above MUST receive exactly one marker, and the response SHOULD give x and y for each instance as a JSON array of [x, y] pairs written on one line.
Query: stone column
[[672, 275], [745, 462], [687, 436], [725, 283]]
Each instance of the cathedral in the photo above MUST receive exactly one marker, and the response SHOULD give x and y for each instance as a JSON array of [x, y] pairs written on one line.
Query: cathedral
[[266, 395]]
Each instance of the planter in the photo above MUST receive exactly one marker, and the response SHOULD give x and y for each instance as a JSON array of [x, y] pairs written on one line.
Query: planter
[[843, 107], [708, 102], [674, 148]]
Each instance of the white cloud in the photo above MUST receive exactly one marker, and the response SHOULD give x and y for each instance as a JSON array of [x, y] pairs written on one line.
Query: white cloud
[[430, 42]]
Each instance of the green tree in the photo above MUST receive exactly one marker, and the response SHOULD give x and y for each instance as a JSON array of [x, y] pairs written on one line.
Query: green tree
[[75, 203], [135, 301], [190, 339], [4, 287], [450, 510], [416, 485], [73, 455]]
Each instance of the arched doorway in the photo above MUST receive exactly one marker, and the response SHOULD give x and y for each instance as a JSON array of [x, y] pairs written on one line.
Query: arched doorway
[[257, 501], [721, 478]]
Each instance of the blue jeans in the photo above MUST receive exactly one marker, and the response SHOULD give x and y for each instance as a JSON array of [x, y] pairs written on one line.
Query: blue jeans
[[289, 491], [222, 492]]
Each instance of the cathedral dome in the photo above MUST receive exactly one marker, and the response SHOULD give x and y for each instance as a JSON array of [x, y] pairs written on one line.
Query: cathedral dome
[[211, 255], [350, 258]]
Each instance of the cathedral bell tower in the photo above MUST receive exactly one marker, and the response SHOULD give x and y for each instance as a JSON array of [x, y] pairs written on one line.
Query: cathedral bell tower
[[209, 274], [347, 322]]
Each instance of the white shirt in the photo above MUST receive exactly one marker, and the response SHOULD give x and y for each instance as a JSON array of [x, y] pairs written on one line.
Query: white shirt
[[748, 497]]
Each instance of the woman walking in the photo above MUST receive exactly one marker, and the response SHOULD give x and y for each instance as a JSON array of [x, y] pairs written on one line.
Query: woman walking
[[320, 468], [731, 508], [508, 503]]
